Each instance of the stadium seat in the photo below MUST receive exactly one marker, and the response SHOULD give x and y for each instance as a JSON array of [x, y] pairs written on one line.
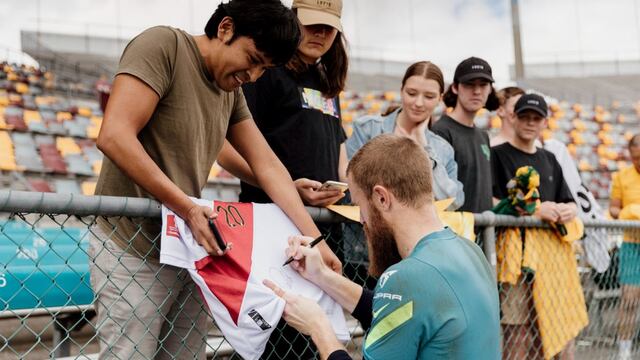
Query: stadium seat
[[88, 187], [40, 185], [66, 186]]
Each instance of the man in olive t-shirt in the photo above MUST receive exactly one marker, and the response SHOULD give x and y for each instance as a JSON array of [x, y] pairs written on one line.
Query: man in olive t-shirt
[[175, 99]]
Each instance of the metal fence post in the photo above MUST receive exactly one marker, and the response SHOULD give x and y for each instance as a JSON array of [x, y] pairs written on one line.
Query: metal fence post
[[489, 239]]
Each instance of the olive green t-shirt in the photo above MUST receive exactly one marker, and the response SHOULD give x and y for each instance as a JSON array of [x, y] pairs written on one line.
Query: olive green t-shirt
[[184, 134]]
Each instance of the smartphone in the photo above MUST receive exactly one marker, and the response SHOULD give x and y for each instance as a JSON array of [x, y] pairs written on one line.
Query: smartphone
[[334, 185], [216, 234]]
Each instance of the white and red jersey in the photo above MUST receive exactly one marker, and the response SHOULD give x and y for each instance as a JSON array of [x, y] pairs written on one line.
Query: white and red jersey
[[244, 309]]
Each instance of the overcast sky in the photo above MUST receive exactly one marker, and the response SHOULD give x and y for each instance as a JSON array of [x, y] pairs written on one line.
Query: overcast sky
[[444, 32]]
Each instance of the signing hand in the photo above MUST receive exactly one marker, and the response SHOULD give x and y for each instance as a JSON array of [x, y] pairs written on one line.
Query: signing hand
[[307, 261]]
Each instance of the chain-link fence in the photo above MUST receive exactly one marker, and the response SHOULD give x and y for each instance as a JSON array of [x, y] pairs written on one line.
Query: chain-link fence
[[551, 298]]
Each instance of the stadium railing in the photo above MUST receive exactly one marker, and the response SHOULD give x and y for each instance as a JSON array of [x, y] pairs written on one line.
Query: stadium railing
[[44, 274]]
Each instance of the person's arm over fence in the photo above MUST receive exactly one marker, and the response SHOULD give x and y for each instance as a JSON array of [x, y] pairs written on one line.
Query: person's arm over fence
[[275, 180], [129, 109]]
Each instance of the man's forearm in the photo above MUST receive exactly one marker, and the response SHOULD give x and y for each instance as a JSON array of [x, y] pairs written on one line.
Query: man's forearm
[[129, 155], [342, 290], [325, 339], [275, 180], [234, 163]]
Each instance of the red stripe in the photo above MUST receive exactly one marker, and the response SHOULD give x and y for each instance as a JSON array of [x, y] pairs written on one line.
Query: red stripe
[[172, 229], [227, 276]]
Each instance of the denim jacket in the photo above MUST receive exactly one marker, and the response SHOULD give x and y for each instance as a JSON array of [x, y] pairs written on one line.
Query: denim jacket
[[445, 171]]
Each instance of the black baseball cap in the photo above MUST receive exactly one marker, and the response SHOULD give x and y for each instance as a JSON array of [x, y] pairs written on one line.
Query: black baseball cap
[[533, 102], [472, 68]]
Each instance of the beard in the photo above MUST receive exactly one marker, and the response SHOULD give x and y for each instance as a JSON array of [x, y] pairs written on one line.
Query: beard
[[381, 243]]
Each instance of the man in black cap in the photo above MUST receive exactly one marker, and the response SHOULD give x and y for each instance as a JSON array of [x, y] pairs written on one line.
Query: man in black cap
[[557, 206], [470, 91]]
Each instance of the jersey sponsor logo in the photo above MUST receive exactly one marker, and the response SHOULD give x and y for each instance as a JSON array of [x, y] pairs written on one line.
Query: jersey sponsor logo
[[172, 229], [259, 320], [486, 151], [313, 99], [384, 277], [388, 296], [377, 312]]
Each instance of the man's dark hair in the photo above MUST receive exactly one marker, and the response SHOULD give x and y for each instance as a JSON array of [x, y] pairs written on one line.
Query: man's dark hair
[[450, 99], [273, 27]]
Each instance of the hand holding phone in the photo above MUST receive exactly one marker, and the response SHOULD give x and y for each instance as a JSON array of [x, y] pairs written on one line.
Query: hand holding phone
[[334, 185]]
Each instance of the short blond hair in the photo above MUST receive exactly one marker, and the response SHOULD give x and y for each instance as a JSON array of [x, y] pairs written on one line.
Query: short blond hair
[[397, 163]]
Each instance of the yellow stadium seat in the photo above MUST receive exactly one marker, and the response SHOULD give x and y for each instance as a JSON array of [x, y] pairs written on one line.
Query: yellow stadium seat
[[547, 134], [88, 187], [84, 111], [599, 109], [599, 117], [376, 106], [554, 108], [348, 129], [7, 157], [612, 155], [12, 76], [214, 172], [391, 95], [572, 149], [583, 165], [615, 104], [31, 116], [63, 116], [22, 88], [449, 110], [482, 111], [579, 125], [67, 145], [553, 124], [4, 100], [96, 167], [577, 108], [496, 122], [347, 116], [621, 118]]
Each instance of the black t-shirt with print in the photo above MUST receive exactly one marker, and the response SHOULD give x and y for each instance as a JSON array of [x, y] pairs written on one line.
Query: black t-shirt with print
[[472, 153], [506, 159], [302, 127]]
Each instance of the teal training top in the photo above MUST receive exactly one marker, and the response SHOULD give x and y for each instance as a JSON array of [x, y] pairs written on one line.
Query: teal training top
[[441, 302]]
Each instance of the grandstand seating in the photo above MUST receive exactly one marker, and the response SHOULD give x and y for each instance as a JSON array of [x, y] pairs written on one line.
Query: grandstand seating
[[597, 137], [52, 138]]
